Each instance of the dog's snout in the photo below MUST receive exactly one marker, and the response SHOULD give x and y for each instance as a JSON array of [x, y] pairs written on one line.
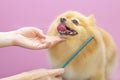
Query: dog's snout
[[62, 20]]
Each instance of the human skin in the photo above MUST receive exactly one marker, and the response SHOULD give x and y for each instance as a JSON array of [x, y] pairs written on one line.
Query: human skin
[[28, 37], [31, 38]]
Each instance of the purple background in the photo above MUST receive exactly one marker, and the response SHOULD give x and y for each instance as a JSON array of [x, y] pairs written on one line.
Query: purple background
[[15, 14]]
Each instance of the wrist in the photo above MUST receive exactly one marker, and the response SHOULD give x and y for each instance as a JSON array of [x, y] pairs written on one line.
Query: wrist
[[7, 38]]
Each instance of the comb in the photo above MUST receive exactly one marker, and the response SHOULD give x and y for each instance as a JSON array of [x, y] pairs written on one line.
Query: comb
[[77, 51]]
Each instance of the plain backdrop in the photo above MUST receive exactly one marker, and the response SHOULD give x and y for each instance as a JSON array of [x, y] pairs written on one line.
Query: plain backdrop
[[15, 14]]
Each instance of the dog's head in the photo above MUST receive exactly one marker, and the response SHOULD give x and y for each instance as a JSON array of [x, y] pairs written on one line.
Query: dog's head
[[71, 24]]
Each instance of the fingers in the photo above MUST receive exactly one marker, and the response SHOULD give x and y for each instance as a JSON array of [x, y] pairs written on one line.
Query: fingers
[[57, 39], [36, 31], [45, 74], [49, 42], [34, 38], [56, 72], [53, 40], [39, 33]]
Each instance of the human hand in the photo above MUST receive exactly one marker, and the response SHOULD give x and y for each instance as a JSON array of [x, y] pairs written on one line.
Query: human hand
[[33, 38], [39, 74], [44, 74]]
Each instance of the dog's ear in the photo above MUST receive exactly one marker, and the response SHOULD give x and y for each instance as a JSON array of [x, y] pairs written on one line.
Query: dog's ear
[[91, 20]]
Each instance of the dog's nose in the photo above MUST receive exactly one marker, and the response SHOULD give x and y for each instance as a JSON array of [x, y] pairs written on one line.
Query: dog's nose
[[62, 20]]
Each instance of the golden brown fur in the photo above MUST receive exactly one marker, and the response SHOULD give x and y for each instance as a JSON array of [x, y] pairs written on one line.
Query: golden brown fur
[[95, 61]]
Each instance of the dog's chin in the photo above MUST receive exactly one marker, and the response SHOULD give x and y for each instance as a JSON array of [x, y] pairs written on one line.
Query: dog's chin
[[65, 30]]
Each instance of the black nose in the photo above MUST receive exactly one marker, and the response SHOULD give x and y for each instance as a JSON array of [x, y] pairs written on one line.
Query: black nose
[[62, 20]]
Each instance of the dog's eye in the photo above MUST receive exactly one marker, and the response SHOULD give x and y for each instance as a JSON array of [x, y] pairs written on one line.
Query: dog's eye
[[75, 21]]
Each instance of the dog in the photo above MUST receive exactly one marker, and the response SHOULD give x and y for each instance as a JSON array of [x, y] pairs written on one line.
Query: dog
[[96, 61]]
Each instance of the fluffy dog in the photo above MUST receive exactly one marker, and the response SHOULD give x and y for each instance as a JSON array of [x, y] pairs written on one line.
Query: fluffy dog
[[96, 61]]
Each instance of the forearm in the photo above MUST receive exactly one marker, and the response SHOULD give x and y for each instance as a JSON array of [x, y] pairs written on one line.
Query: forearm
[[7, 38], [21, 76]]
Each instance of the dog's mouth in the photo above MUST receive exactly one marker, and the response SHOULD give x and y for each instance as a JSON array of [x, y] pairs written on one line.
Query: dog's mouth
[[65, 30]]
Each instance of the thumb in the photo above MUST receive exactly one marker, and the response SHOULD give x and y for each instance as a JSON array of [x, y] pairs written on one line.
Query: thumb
[[56, 72], [39, 32]]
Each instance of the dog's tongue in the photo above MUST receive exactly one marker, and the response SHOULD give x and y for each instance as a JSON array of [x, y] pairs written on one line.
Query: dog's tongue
[[61, 27]]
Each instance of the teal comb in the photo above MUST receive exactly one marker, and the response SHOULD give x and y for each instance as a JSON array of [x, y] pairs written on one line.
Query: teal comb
[[75, 54]]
